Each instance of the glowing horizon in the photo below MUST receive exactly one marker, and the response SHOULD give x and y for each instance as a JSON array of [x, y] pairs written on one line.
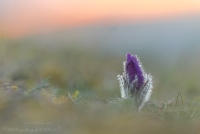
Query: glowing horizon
[[21, 17]]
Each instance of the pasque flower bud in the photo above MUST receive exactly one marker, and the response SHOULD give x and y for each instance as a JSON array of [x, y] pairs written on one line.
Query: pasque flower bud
[[134, 82]]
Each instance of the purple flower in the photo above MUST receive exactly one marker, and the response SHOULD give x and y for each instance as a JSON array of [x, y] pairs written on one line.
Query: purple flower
[[134, 70], [135, 83]]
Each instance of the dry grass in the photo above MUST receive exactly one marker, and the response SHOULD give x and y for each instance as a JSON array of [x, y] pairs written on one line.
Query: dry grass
[[77, 90]]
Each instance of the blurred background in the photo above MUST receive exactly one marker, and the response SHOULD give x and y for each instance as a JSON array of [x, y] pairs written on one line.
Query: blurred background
[[79, 46]]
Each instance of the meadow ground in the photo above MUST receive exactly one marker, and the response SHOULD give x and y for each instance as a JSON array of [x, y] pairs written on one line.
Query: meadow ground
[[74, 90]]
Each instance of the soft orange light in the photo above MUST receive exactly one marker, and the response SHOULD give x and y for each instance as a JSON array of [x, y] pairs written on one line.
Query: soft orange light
[[22, 17]]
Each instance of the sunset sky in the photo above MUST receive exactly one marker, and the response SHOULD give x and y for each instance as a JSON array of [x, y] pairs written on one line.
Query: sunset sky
[[21, 17]]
